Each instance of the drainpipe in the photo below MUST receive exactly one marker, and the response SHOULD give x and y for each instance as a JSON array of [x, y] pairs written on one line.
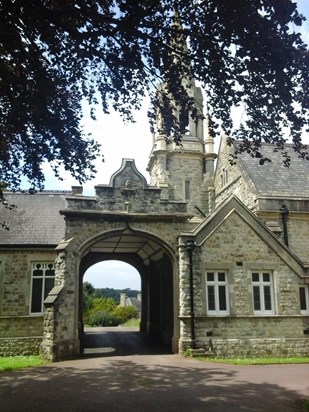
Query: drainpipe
[[190, 246], [284, 216]]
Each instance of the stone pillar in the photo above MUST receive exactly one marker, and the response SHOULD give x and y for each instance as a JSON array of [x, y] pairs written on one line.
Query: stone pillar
[[60, 334], [184, 297], [144, 313], [47, 346], [161, 169]]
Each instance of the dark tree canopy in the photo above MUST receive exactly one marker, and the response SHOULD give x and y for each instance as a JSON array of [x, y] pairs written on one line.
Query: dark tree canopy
[[55, 54]]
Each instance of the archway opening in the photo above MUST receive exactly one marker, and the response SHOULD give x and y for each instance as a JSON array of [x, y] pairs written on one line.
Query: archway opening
[[111, 305], [144, 257], [113, 274]]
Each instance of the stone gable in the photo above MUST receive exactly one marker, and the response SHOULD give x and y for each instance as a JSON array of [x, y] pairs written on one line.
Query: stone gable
[[233, 243]]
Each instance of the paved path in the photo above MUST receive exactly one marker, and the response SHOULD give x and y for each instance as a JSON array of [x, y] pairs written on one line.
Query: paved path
[[133, 380]]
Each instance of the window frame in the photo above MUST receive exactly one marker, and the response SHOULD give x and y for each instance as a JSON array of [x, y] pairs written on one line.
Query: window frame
[[261, 284], [306, 289], [187, 190], [44, 267], [216, 283]]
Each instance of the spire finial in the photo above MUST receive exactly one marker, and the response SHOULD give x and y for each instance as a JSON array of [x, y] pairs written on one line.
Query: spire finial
[[208, 139]]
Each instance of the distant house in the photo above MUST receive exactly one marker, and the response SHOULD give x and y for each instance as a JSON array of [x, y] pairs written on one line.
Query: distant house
[[131, 301]]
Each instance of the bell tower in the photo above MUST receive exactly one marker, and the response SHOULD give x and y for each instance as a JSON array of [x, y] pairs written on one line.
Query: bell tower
[[185, 171]]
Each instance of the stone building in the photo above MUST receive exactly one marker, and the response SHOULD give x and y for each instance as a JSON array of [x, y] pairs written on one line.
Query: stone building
[[135, 302], [222, 252]]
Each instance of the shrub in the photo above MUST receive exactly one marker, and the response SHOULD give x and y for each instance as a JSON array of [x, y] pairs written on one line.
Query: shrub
[[103, 319], [106, 305], [124, 313]]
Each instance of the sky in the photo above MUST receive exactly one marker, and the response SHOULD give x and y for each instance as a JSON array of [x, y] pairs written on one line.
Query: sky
[[123, 141]]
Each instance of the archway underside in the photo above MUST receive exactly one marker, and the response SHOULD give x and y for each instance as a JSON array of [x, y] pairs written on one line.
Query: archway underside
[[156, 271], [128, 244]]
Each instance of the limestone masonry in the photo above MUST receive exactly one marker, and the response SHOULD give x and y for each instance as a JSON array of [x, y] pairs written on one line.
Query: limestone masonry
[[222, 251]]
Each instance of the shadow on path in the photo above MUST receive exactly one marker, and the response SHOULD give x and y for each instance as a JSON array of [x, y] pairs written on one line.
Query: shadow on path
[[140, 384], [131, 373], [120, 341]]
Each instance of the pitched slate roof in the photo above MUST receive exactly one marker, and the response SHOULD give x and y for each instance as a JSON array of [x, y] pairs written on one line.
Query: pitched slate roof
[[130, 301], [35, 220], [273, 178]]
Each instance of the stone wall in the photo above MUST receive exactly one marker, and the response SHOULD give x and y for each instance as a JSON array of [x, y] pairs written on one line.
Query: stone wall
[[20, 332], [229, 180], [298, 229], [238, 187], [181, 171], [166, 230], [15, 279], [180, 168], [23, 326], [276, 347], [297, 224], [250, 337], [20, 335], [236, 248], [20, 346]]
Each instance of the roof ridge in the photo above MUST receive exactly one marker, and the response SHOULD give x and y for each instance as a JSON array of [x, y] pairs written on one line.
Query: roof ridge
[[38, 192]]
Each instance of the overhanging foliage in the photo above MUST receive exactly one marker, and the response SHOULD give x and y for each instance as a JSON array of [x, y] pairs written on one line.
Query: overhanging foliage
[[54, 54]]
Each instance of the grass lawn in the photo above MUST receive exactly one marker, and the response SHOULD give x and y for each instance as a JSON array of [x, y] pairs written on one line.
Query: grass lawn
[[10, 363], [128, 323], [255, 361], [264, 361], [131, 322]]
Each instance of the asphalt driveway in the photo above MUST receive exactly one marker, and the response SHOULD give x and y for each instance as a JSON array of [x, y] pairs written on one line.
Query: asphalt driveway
[[121, 372]]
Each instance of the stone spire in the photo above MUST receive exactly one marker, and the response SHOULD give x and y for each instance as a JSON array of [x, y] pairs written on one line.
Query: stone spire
[[179, 170], [210, 157]]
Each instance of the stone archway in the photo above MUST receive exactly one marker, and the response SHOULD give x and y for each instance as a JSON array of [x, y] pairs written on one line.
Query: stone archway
[[153, 262], [151, 256], [130, 221]]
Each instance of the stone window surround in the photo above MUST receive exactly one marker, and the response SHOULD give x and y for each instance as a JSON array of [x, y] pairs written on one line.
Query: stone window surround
[[216, 283], [187, 190], [247, 268], [33, 263], [305, 311], [261, 283]]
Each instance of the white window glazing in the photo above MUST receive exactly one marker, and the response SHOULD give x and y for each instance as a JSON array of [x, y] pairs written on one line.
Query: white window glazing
[[262, 292], [217, 293]]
